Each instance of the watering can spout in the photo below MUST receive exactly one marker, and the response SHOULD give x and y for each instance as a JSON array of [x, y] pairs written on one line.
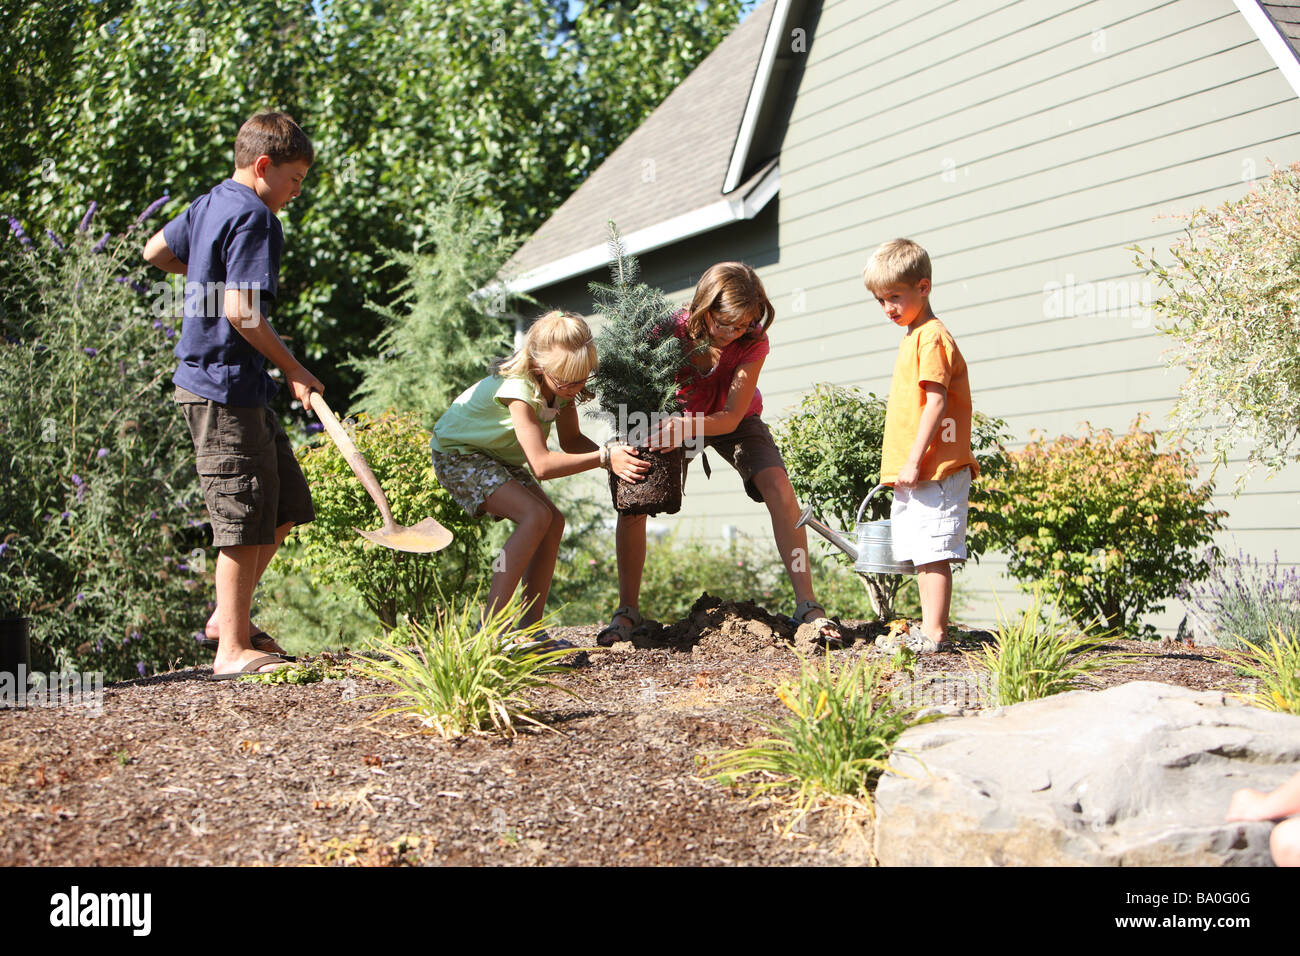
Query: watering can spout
[[830, 534]]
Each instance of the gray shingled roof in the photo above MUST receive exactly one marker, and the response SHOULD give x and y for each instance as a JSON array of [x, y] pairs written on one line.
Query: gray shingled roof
[[673, 164], [1287, 18]]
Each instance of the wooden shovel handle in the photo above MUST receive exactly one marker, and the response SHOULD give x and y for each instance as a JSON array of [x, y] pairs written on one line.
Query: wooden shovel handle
[[352, 455]]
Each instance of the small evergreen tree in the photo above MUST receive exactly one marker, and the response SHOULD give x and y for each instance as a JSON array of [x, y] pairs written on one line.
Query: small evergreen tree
[[441, 333], [639, 355]]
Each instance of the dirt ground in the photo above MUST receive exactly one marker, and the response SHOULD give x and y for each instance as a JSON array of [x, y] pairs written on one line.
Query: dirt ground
[[180, 770]]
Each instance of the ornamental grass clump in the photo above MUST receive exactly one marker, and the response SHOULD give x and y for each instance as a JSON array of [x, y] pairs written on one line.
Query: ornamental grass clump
[[1276, 665], [1243, 600], [837, 741], [1040, 653], [456, 678], [1110, 523]]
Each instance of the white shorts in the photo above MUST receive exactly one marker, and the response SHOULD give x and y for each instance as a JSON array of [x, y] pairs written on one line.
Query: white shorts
[[928, 520]]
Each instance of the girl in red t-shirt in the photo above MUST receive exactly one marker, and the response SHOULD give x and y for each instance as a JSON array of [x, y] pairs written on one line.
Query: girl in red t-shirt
[[729, 316]]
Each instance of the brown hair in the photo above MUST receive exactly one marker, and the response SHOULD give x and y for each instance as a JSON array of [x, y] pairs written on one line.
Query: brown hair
[[275, 135], [559, 342], [896, 262], [733, 291]]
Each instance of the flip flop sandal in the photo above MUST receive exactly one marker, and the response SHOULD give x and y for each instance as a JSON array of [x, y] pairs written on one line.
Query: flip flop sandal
[[621, 632], [252, 667], [821, 623], [261, 641]]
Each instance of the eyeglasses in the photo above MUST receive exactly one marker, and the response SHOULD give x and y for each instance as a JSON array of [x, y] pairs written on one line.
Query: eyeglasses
[[560, 386], [734, 329]]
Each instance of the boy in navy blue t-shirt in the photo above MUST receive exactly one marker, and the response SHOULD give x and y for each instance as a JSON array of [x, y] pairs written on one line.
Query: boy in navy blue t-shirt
[[227, 244]]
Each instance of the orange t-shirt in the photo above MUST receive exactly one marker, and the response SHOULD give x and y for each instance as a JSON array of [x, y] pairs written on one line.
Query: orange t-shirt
[[928, 353]]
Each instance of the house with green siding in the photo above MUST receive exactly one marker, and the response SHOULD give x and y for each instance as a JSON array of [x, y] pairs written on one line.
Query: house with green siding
[[1027, 144]]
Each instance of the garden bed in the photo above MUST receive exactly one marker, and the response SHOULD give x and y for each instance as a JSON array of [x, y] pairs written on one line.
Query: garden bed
[[179, 770]]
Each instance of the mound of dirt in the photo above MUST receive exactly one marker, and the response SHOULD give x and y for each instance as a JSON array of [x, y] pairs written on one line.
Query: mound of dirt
[[717, 628]]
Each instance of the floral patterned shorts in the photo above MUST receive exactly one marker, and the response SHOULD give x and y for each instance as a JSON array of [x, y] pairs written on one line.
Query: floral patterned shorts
[[472, 478]]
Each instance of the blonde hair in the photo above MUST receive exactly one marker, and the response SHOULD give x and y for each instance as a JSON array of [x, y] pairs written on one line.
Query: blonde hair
[[732, 291], [558, 342], [896, 262]]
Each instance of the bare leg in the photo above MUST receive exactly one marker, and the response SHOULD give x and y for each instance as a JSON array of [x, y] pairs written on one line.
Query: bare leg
[[236, 578], [265, 553], [934, 581], [783, 508], [629, 545], [533, 521], [541, 569]]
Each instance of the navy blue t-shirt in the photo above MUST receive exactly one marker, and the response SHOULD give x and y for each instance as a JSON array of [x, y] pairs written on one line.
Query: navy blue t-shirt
[[228, 238]]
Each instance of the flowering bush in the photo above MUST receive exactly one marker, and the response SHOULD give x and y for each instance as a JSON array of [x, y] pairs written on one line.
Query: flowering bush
[[1231, 306], [101, 522], [1111, 522], [1241, 600]]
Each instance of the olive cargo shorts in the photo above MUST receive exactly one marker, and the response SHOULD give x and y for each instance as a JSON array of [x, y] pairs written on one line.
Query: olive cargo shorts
[[251, 482]]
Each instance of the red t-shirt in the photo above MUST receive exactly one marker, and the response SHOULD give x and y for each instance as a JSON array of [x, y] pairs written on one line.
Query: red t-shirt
[[706, 393]]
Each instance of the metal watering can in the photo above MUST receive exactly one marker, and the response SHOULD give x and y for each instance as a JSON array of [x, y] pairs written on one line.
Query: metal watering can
[[874, 551]]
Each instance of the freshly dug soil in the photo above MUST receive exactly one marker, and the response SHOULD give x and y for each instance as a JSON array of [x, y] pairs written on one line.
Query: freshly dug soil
[[659, 492], [181, 770]]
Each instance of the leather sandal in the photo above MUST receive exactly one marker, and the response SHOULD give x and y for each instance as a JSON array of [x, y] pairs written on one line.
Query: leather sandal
[[821, 623], [612, 633]]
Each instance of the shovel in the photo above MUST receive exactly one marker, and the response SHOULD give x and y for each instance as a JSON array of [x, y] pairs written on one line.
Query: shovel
[[422, 538]]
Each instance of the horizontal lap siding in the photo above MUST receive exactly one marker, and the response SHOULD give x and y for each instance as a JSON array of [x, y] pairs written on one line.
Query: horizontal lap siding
[[1027, 162]]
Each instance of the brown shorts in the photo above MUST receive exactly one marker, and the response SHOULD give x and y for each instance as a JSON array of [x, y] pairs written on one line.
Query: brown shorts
[[251, 482], [749, 448]]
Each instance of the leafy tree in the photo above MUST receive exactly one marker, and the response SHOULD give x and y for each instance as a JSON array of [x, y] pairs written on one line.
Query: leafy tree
[[1231, 306], [1116, 525], [831, 445], [113, 99]]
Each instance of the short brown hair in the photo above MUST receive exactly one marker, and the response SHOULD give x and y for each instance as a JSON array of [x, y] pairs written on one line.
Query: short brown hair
[[275, 135], [733, 291], [896, 262]]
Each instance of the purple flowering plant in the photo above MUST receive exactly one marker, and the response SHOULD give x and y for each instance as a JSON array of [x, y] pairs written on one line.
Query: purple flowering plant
[[1243, 599], [87, 420]]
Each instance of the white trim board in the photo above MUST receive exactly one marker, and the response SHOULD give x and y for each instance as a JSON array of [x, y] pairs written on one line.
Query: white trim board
[[1277, 45], [757, 93], [716, 214]]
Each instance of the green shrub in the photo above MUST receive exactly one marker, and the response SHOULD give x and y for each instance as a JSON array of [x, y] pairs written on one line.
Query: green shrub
[[1113, 524], [1242, 600], [455, 678], [1231, 307], [1276, 665], [101, 519], [1038, 654], [304, 617], [838, 741], [390, 583], [831, 444]]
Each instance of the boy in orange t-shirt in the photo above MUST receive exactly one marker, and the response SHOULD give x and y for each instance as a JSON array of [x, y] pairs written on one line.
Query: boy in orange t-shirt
[[926, 455]]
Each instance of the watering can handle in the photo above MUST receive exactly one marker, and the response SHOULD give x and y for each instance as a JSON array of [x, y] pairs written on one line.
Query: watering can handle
[[862, 507]]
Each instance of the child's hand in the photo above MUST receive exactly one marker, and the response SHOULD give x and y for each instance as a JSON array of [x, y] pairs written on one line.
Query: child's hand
[[626, 463], [908, 475], [1248, 804], [302, 383], [668, 434]]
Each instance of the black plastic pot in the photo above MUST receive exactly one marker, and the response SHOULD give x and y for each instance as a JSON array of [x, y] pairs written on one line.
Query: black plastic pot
[[15, 647]]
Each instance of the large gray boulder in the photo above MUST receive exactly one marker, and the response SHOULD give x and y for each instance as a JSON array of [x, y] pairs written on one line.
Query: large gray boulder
[[1137, 775]]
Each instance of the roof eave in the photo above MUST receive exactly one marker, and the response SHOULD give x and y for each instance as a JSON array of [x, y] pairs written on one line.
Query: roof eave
[[1277, 45], [723, 212]]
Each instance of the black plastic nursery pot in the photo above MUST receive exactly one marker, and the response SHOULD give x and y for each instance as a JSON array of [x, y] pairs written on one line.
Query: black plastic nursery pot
[[660, 492], [15, 648]]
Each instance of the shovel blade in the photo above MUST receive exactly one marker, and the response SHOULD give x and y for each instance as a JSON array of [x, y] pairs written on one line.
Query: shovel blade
[[423, 538]]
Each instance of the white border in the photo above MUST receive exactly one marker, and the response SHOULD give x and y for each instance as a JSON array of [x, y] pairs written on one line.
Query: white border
[[757, 92]]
